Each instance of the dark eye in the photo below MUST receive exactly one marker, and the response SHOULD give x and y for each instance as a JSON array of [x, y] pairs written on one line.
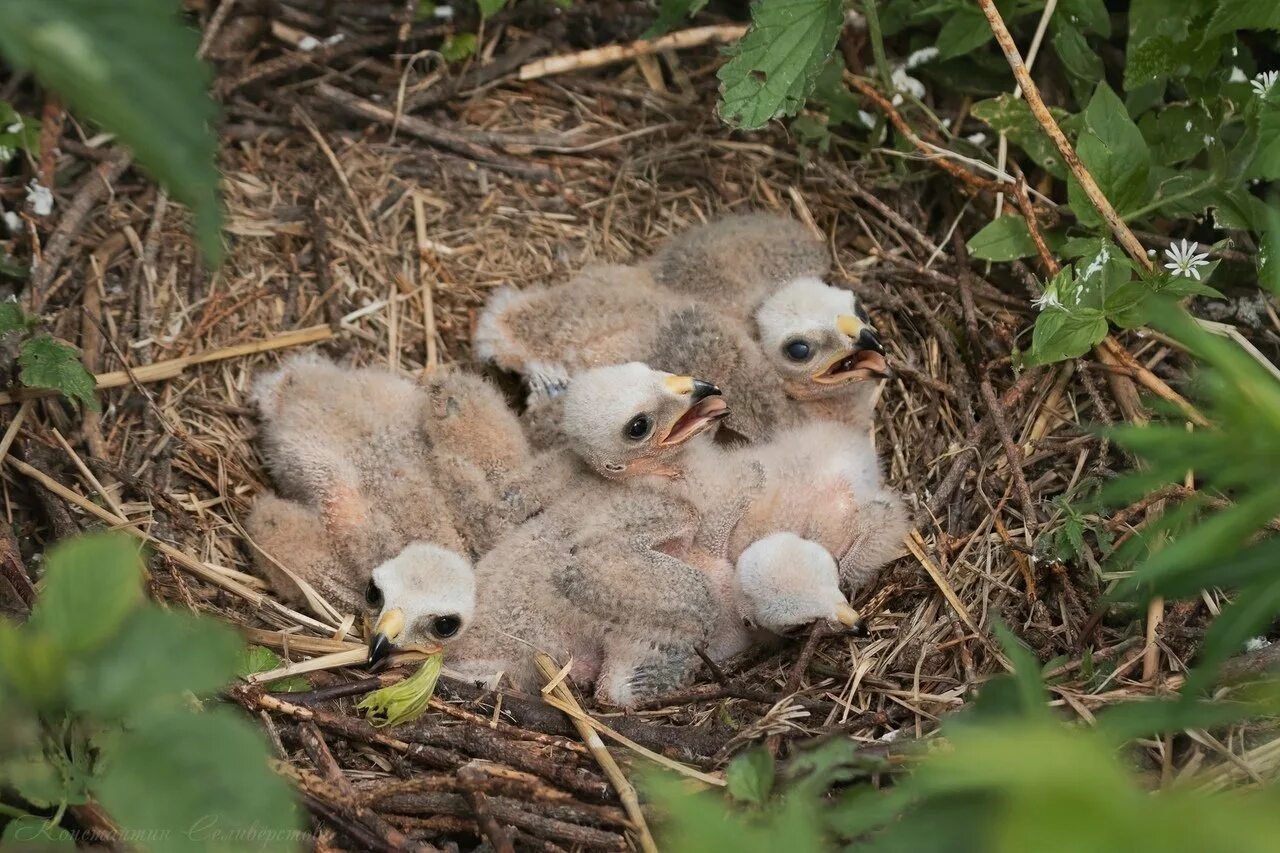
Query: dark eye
[[446, 626], [797, 350], [373, 595], [639, 427]]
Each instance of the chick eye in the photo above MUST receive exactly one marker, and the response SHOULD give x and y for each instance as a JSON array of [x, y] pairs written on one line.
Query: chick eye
[[639, 427], [373, 595], [446, 626], [797, 350]]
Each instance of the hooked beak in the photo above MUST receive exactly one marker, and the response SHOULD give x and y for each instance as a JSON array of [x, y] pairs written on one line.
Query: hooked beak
[[852, 620], [866, 360], [706, 408], [383, 642]]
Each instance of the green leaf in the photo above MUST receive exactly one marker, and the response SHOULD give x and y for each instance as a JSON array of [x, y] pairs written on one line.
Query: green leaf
[[34, 833], [1232, 15], [1026, 670], [1082, 64], [750, 776], [1061, 334], [34, 777], [458, 46], [129, 65], [1128, 720], [1091, 16], [672, 12], [1266, 160], [1112, 148], [1176, 133], [964, 31], [489, 8], [32, 666], [255, 659], [158, 656], [1003, 239], [14, 319], [46, 363], [91, 584], [404, 701], [1123, 305], [17, 133], [774, 67], [202, 778], [1012, 117], [1256, 606]]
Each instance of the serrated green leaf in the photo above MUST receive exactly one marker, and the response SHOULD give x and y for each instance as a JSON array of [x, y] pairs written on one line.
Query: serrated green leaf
[[750, 776], [91, 585], [255, 659], [46, 363], [131, 66], [774, 67], [218, 792], [1060, 334], [1232, 15], [1003, 239], [966, 30], [155, 659], [1082, 64]]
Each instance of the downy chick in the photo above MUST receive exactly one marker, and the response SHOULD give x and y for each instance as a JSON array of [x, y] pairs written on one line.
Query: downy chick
[[766, 272], [593, 577]]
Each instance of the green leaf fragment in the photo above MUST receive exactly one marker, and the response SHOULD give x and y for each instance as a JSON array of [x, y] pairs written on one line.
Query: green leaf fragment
[[91, 585], [774, 67], [1003, 239], [255, 659], [750, 776], [46, 363], [404, 701]]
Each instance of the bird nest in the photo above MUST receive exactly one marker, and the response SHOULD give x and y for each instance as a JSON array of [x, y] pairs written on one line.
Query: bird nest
[[377, 241]]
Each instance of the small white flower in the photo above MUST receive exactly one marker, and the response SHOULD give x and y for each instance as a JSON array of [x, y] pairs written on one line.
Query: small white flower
[[1184, 261], [1048, 299], [40, 198], [16, 127], [921, 56], [1263, 82]]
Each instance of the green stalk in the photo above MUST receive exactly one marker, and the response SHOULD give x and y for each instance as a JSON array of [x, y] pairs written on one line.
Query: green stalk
[[877, 46]]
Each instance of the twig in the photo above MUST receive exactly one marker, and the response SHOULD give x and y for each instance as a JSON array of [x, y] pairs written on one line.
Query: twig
[[615, 53], [626, 793], [168, 369], [343, 181], [1002, 148], [1038, 108], [916, 545], [472, 780]]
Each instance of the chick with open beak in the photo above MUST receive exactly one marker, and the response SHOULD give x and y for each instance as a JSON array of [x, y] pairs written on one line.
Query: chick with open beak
[[629, 420], [420, 600]]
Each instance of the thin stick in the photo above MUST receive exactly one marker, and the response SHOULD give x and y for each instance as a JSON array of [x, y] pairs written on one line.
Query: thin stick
[[1099, 200], [86, 473], [1002, 150], [615, 53], [14, 425], [626, 793], [916, 545], [335, 660], [168, 369], [337, 168]]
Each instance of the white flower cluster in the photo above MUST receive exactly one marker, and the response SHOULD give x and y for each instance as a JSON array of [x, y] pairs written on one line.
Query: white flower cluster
[[1263, 82], [1184, 261]]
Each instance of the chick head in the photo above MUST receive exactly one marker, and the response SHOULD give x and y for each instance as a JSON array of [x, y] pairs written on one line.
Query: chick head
[[819, 339], [630, 420], [787, 582], [421, 598]]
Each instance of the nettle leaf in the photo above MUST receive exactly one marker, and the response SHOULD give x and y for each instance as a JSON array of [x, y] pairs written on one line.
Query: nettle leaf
[[1113, 150], [750, 776], [129, 65], [1176, 133], [46, 363], [774, 67], [489, 8], [966, 30], [1061, 334], [1003, 239], [458, 46], [1232, 15], [1012, 117], [1081, 62], [91, 584], [672, 12], [36, 833], [212, 769]]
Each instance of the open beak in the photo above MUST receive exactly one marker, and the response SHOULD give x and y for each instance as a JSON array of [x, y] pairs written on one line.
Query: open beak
[[852, 620], [707, 407], [383, 642], [866, 360]]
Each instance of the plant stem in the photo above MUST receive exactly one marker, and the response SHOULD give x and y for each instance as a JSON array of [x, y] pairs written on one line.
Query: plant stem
[[877, 45], [13, 812], [1161, 202]]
